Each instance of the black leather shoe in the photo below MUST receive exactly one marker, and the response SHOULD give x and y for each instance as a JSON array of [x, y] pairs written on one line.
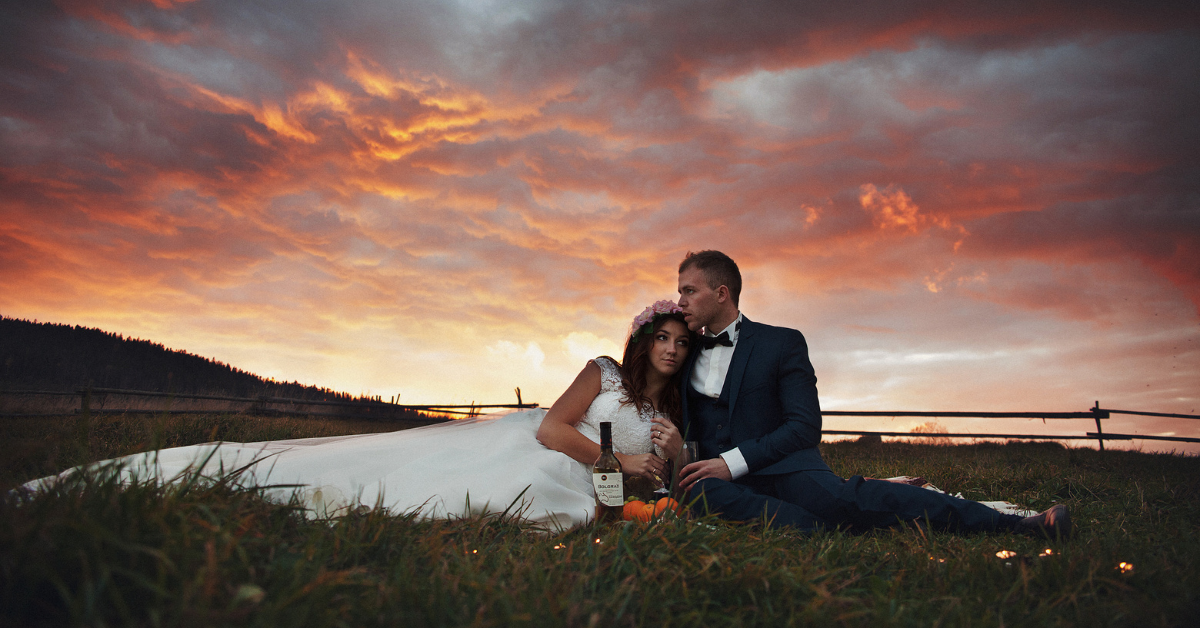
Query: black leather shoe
[[1054, 523]]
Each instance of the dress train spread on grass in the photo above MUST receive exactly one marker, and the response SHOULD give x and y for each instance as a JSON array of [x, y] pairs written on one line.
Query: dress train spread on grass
[[470, 467]]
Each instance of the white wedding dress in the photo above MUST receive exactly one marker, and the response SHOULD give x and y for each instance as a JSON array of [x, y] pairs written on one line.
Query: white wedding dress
[[470, 467]]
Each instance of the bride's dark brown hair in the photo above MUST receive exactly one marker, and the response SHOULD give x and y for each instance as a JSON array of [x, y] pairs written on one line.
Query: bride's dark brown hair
[[636, 362]]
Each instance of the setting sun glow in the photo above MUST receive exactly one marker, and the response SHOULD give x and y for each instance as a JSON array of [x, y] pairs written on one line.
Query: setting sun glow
[[991, 209]]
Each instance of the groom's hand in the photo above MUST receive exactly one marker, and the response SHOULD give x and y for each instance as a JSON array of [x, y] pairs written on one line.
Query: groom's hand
[[712, 468]]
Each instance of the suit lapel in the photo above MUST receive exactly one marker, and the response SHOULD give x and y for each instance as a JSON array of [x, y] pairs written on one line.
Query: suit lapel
[[741, 358]]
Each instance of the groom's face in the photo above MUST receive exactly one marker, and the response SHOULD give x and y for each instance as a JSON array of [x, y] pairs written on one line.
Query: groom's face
[[699, 303]]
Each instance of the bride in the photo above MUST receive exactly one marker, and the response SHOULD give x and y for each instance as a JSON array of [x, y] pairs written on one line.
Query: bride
[[535, 464]]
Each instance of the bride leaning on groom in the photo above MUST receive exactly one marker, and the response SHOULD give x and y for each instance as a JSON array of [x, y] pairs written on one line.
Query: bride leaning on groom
[[747, 393]]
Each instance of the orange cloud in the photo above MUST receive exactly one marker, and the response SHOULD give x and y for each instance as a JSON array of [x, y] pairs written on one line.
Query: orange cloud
[[891, 208], [397, 197]]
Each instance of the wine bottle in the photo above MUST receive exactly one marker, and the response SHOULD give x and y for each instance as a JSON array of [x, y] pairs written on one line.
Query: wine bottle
[[607, 480]]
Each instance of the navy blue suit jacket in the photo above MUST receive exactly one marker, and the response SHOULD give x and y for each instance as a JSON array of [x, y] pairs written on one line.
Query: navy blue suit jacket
[[774, 415]]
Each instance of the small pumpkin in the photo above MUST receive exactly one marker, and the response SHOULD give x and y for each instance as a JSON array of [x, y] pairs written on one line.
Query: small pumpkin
[[664, 505], [635, 509]]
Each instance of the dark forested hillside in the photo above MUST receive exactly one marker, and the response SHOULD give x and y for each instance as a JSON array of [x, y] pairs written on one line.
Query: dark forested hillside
[[49, 356]]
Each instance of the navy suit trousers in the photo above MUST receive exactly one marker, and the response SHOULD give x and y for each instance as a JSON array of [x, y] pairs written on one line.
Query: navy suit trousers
[[812, 500]]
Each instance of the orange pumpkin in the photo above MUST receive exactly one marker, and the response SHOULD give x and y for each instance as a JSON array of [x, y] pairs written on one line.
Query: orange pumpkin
[[633, 510], [665, 504]]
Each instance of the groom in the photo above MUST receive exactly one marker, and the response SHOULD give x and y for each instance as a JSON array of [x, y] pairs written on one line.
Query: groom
[[751, 403]]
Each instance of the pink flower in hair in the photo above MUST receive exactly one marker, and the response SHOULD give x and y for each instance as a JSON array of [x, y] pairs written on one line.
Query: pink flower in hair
[[650, 313]]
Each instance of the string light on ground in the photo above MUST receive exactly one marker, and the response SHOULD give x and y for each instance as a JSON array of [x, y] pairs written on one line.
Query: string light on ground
[[1125, 567], [1046, 552], [1005, 554]]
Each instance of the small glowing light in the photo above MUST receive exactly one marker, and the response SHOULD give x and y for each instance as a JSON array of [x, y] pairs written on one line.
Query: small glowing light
[[1005, 554], [940, 560], [559, 546], [1125, 567], [1046, 552], [598, 540], [474, 551]]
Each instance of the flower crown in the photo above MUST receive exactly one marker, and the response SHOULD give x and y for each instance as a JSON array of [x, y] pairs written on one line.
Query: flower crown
[[644, 322]]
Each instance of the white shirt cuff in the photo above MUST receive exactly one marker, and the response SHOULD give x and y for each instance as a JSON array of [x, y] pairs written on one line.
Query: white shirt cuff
[[736, 463]]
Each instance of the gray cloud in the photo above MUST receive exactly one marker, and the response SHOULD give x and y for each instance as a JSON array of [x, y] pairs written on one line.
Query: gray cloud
[[519, 169]]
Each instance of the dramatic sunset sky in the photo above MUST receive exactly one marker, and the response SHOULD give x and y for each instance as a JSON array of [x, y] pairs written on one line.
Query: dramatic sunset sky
[[963, 206]]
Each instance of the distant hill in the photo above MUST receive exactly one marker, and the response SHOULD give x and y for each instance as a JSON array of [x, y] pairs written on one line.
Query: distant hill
[[50, 356]]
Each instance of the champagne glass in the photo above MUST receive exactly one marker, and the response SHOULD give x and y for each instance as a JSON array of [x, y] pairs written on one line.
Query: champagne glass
[[689, 454]]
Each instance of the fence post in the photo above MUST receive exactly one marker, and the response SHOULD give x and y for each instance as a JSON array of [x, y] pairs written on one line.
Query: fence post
[[83, 424], [1098, 414]]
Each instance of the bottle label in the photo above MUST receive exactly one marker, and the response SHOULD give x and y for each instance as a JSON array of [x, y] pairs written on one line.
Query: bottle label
[[610, 489]]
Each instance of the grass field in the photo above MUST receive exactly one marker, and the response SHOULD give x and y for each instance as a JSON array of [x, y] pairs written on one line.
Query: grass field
[[95, 553]]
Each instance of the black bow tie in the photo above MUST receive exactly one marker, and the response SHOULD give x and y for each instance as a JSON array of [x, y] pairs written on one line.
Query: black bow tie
[[708, 342]]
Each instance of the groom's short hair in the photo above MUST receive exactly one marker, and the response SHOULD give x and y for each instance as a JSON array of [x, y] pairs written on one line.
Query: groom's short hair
[[718, 271]]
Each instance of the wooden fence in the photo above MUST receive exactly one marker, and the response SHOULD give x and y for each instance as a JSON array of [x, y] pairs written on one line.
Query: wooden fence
[[100, 401], [116, 401], [1095, 413]]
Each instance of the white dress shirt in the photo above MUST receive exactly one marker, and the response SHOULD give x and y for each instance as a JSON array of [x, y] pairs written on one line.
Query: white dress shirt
[[708, 378]]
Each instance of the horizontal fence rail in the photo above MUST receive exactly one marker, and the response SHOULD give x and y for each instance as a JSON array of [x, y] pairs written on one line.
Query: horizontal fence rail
[[1162, 414], [100, 401], [96, 400], [982, 415], [1088, 436]]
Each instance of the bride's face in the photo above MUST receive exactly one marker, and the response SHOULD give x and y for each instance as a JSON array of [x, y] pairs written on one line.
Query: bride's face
[[670, 348]]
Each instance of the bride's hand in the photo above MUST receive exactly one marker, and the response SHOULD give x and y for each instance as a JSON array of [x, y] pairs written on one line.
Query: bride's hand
[[648, 466], [664, 434]]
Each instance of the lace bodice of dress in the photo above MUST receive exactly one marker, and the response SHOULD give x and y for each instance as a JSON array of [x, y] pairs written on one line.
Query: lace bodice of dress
[[630, 428]]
